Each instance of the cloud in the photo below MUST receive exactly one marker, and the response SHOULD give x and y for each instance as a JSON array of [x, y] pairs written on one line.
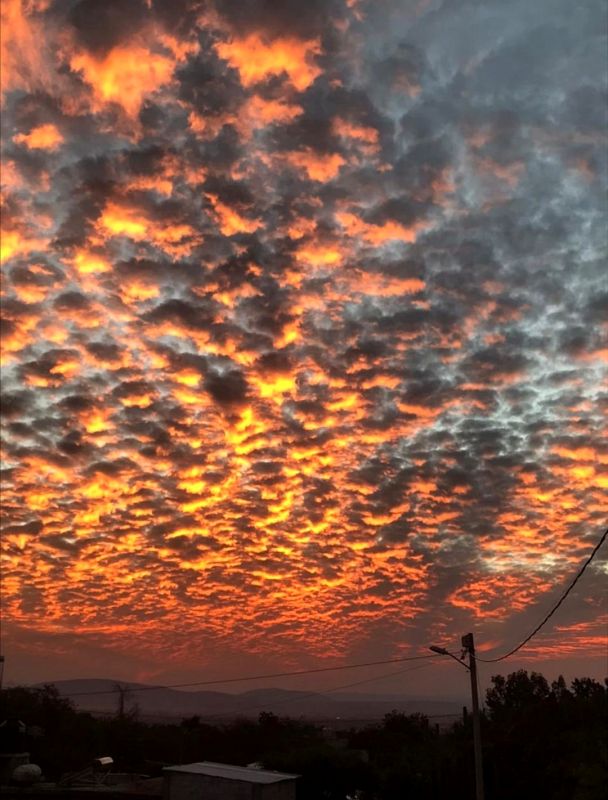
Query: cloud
[[101, 26], [304, 325], [256, 59], [43, 137]]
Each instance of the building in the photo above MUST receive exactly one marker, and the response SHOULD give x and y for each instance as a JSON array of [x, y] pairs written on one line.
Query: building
[[206, 780]]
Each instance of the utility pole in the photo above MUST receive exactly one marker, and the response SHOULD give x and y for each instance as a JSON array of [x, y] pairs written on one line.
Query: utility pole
[[122, 691], [468, 644], [469, 647]]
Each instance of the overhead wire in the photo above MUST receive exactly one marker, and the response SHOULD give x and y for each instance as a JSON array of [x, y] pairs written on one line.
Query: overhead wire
[[301, 697], [243, 678], [548, 616], [309, 695]]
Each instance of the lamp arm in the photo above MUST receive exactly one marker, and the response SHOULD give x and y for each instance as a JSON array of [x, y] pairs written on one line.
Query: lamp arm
[[464, 664]]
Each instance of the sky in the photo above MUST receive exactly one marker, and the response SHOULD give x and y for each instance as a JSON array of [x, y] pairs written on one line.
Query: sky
[[305, 335]]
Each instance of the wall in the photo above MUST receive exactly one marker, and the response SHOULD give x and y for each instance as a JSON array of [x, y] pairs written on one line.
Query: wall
[[286, 790], [181, 786]]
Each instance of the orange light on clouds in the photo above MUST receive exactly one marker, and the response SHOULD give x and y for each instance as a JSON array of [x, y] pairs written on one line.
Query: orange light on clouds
[[320, 167], [301, 227], [582, 454], [364, 137], [31, 294], [373, 284], [13, 243], [133, 291], [177, 240], [378, 235], [43, 137], [276, 387], [320, 255], [259, 112], [274, 372], [125, 76], [230, 221], [123, 220], [22, 45], [350, 130], [154, 183], [256, 59], [86, 263]]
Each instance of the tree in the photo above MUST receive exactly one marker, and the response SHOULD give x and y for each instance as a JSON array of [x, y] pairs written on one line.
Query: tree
[[589, 689], [560, 690], [546, 741], [58, 737], [517, 692]]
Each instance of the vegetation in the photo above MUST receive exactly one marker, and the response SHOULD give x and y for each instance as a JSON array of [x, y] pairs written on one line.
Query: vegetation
[[540, 740]]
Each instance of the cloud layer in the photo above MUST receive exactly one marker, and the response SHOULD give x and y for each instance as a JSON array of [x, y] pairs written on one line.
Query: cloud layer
[[305, 330]]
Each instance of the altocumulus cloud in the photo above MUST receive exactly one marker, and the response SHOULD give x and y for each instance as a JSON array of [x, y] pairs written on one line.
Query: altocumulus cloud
[[304, 323]]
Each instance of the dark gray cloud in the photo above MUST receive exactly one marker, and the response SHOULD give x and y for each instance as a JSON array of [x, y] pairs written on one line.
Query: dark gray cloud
[[100, 25]]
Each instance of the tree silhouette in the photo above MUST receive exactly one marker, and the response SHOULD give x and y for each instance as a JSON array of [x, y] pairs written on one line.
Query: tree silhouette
[[540, 740]]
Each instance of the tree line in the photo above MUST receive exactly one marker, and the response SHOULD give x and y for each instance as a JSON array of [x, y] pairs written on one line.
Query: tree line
[[540, 740]]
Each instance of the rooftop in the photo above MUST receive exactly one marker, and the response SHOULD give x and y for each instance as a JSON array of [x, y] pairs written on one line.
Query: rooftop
[[248, 774]]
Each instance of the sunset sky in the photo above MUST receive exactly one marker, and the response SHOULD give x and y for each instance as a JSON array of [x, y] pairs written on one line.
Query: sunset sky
[[305, 335]]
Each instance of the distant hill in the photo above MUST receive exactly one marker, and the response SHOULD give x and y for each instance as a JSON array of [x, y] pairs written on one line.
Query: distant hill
[[100, 696]]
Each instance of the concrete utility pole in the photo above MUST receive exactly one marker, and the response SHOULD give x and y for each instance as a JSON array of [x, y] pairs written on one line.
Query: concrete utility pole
[[468, 644]]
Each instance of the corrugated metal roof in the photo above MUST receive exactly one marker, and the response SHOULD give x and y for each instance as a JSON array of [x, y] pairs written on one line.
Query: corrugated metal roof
[[231, 772]]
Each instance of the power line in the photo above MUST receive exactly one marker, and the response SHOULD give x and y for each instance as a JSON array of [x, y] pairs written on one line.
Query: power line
[[206, 717], [243, 678], [554, 609], [325, 691]]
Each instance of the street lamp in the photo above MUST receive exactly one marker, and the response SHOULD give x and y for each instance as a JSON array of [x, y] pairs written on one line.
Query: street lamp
[[443, 652], [469, 647]]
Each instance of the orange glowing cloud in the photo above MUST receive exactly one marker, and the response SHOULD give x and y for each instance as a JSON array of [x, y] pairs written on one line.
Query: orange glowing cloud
[[123, 220], [384, 286], [151, 183], [176, 240], [581, 454], [134, 291], [22, 40], [364, 136], [180, 50], [596, 355], [320, 167], [44, 137], [319, 254], [300, 227], [230, 221], [257, 112], [86, 263], [31, 294], [126, 75], [378, 235], [256, 59], [13, 243]]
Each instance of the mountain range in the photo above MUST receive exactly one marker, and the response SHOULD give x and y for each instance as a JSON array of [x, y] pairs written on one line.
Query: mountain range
[[102, 696]]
